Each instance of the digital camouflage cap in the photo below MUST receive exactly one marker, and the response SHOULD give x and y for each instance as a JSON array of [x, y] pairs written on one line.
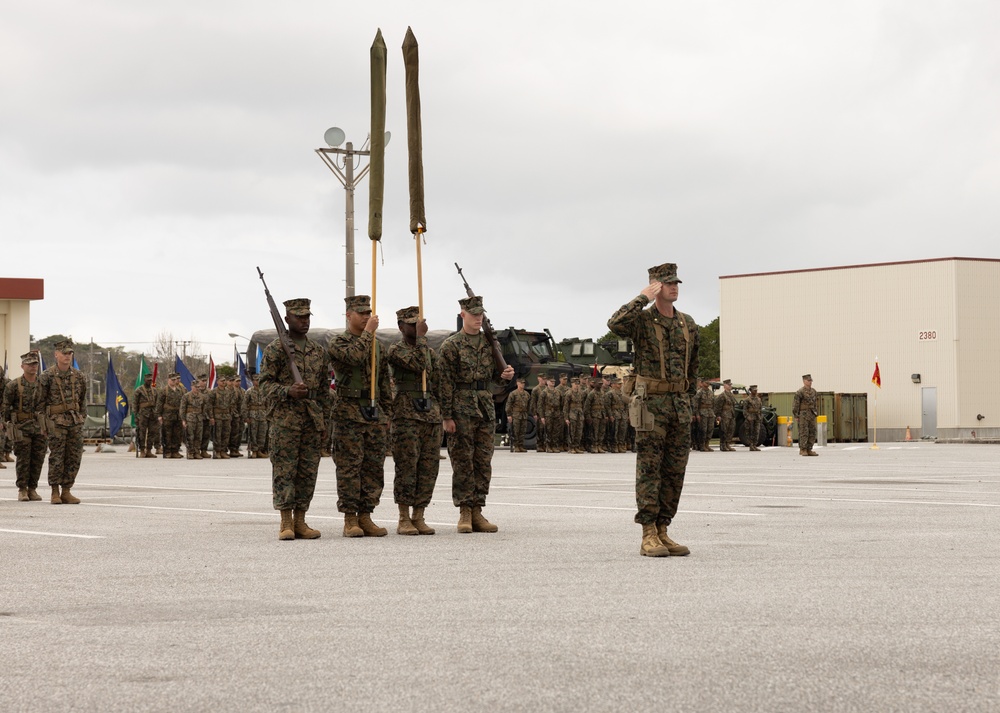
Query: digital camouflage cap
[[408, 315], [29, 358], [667, 272], [472, 305], [65, 346], [298, 307], [358, 303]]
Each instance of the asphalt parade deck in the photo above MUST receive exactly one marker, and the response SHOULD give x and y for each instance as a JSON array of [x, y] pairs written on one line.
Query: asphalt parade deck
[[862, 580]]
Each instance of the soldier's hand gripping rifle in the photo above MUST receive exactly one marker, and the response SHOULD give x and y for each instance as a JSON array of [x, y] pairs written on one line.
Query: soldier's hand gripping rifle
[[498, 359], [283, 337]]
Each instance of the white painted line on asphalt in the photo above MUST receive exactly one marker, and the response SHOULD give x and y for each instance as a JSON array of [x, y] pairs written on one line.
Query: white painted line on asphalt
[[54, 534], [609, 507], [846, 500]]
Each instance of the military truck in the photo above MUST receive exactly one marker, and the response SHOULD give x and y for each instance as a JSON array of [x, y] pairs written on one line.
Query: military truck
[[588, 352]]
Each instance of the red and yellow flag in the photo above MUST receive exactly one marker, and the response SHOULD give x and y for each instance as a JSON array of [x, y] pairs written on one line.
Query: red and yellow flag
[[876, 377]]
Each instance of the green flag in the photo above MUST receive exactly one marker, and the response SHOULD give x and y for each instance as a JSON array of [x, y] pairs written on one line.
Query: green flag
[[376, 176], [143, 371]]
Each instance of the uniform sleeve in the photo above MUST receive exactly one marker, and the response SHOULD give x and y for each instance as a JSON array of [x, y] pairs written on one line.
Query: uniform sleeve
[[272, 364], [625, 321], [354, 351]]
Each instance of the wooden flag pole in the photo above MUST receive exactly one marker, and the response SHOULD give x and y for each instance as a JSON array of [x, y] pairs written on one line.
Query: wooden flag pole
[[420, 294], [374, 338]]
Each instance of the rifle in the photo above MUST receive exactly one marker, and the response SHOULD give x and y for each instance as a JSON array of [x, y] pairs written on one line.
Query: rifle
[[286, 342], [491, 336]]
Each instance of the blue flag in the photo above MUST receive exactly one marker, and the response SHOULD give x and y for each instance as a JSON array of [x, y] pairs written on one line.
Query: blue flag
[[115, 401], [187, 378], [241, 369]]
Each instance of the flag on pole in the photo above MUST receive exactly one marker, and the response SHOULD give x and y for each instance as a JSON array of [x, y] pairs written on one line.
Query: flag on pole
[[187, 378], [156, 371], [876, 377], [75, 365], [260, 358], [241, 369], [116, 401], [143, 370], [41, 361], [211, 372]]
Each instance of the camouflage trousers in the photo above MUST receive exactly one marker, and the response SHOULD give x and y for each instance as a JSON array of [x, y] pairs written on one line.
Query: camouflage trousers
[[597, 428], [30, 453], [65, 453], [727, 425], [171, 432], [294, 464], [555, 431], [257, 435], [235, 434], [220, 435], [470, 448], [575, 433], [147, 430], [206, 433], [706, 427], [662, 456], [518, 427], [807, 432], [540, 435], [416, 446], [195, 432], [359, 452], [621, 431], [751, 424]]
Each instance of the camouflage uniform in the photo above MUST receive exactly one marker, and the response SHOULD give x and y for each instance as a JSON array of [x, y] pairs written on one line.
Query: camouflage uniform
[[22, 407], [617, 408], [64, 395], [805, 408], [168, 408], [297, 426], [703, 407], [517, 407], [416, 439], [552, 410], [535, 410], [573, 412], [467, 374], [725, 409], [257, 417], [4, 444], [752, 407], [359, 445], [220, 404], [239, 417], [192, 410], [596, 417], [143, 405], [666, 360]]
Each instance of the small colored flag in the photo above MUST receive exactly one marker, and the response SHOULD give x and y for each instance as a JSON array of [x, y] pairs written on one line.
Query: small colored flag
[[241, 369], [41, 361], [211, 372], [75, 364], [187, 378], [156, 370], [143, 370], [876, 377], [116, 401], [260, 358]]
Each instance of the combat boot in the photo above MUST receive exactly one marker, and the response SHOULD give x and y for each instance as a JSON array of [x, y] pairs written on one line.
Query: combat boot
[[216, 455], [405, 526], [802, 452], [675, 549], [370, 528], [224, 455], [754, 448], [707, 448], [56, 498], [191, 456], [235, 454], [651, 545], [811, 452], [465, 519], [159, 450], [418, 522], [351, 528], [22, 495], [206, 454], [285, 531], [68, 498], [480, 523], [302, 530], [3, 467]]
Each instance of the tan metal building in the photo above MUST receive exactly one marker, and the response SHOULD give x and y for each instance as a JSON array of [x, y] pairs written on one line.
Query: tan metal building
[[934, 326], [15, 318]]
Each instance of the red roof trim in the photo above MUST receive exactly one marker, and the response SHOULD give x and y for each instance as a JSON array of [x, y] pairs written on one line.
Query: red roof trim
[[22, 288], [853, 267]]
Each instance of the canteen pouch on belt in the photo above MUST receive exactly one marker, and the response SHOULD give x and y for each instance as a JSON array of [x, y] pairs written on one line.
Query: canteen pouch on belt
[[638, 415]]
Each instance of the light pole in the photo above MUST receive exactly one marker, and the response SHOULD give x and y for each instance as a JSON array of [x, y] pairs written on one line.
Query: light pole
[[334, 138]]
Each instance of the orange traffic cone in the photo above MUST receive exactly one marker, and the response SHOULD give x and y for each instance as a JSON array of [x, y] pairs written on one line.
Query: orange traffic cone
[[908, 436]]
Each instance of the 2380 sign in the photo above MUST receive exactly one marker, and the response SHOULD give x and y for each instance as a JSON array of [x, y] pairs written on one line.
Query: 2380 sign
[[929, 335]]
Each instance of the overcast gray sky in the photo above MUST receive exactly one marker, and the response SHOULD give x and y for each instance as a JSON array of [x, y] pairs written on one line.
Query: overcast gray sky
[[154, 153]]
